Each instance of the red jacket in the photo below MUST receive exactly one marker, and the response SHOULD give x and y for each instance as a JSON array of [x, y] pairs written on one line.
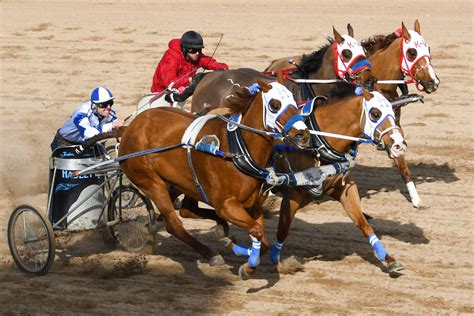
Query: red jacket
[[173, 66]]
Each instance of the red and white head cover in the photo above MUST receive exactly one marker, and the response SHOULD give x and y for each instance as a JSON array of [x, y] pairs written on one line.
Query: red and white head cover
[[423, 52], [343, 67]]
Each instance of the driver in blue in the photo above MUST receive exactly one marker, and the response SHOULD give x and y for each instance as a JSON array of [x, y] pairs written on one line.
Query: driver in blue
[[89, 119]]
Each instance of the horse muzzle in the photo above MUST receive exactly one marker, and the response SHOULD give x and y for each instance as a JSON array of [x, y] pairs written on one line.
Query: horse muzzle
[[430, 86], [398, 146], [301, 138]]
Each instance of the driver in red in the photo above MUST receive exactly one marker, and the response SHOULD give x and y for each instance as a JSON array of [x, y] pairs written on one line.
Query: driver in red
[[179, 64]]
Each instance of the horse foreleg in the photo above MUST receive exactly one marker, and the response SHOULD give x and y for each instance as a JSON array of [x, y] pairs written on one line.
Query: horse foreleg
[[265, 245], [293, 199], [232, 211], [348, 195], [158, 192], [406, 175]]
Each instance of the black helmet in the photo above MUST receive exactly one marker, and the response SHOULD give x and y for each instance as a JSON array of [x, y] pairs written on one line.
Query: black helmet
[[192, 39]]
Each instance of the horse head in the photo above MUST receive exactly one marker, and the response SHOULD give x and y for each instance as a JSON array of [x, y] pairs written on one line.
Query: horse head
[[378, 123], [415, 59], [350, 61], [281, 114]]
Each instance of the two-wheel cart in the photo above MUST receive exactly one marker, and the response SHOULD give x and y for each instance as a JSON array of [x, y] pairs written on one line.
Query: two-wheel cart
[[99, 199]]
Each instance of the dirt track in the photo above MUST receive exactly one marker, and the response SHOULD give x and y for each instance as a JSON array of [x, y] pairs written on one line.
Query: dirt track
[[52, 55]]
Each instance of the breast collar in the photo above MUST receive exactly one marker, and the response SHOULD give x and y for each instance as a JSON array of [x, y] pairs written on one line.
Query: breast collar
[[242, 158]]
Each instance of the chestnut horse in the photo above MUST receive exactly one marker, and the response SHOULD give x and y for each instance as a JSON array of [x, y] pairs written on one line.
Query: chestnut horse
[[397, 56], [352, 116], [393, 57], [235, 196], [342, 59]]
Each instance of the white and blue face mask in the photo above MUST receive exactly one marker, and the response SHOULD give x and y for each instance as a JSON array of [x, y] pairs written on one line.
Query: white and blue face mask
[[371, 126], [271, 114]]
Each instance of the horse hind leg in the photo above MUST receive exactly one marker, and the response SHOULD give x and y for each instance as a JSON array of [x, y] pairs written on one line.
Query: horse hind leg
[[190, 209], [159, 194]]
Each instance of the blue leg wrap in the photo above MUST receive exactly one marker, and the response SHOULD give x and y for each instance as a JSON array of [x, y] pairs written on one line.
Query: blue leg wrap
[[380, 251], [254, 259], [241, 251], [275, 252]]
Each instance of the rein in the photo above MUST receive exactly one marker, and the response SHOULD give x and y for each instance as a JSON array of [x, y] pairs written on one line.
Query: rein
[[250, 129], [340, 80]]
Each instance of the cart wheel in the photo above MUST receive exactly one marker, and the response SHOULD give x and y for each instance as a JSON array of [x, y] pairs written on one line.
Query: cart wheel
[[128, 198], [130, 230], [31, 240]]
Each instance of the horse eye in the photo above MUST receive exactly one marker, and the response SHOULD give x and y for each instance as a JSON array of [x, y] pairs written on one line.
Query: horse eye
[[275, 105], [411, 54], [346, 55], [375, 114]]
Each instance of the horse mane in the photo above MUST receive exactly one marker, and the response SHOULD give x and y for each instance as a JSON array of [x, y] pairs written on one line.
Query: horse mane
[[312, 62], [378, 42], [238, 100]]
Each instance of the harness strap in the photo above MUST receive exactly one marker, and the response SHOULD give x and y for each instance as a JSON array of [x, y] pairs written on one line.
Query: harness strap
[[325, 151], [193, 172], [242, 158]]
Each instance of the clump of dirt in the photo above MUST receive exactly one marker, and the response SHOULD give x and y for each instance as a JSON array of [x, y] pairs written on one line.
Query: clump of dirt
[[290, 265], [100, 266]]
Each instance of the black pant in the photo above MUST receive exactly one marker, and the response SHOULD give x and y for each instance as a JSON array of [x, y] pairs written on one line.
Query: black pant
[[60, 141]]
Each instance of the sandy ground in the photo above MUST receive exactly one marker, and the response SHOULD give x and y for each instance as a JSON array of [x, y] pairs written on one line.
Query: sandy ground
[[53, 54]]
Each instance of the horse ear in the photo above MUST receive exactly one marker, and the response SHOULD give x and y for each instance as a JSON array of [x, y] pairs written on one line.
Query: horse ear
[[367, 95], [337, 36], [265, 87], [417, 26], [350, 30], [280, 77], [406, 35]]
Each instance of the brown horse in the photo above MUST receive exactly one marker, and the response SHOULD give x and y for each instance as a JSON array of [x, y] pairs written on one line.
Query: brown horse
[[350, 117], [352, 69], [236, 196], [393, 57]]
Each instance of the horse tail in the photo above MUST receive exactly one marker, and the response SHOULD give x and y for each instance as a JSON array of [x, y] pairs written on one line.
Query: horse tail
[[88, 143]]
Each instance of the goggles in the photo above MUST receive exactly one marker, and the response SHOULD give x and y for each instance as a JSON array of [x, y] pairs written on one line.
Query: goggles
[[105, 104], [192, 50]]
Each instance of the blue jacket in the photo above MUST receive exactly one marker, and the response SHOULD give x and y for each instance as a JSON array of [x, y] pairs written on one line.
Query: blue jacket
[[85, 123]]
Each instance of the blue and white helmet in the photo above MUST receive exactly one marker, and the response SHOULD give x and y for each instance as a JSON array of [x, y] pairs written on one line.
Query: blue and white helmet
[[101, 95]]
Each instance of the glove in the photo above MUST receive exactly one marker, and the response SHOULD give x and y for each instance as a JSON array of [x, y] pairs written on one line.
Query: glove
[[168, 98], [197, 78], [176, 97]]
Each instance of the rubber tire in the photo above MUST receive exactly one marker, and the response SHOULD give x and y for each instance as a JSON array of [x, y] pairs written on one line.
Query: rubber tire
[[43, 269]]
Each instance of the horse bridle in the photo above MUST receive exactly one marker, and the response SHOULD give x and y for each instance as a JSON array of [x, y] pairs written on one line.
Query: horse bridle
[[356, 65], [407, 66], [378, 141]]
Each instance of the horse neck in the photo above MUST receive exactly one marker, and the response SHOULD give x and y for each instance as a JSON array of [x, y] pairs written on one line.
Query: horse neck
[[259, 146], [326, 71], [341, 117], [386, 65], [333, 91]]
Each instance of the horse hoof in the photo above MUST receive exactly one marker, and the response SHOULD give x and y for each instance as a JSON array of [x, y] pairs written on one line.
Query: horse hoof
[[245, 271], [395, 267], [422, 206], [216, 260]]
